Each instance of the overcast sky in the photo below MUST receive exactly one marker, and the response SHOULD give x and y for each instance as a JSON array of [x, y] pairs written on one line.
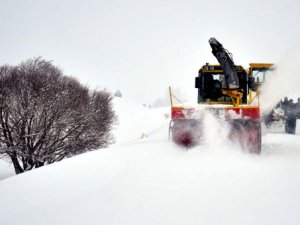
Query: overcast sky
[[141, 47]]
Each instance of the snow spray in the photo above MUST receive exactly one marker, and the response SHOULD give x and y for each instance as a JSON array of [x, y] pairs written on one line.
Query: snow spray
[[284, 82], [215, 135]]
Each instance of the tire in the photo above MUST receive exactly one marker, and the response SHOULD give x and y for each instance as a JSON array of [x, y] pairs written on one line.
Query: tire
[[247, 133], [186, 132]]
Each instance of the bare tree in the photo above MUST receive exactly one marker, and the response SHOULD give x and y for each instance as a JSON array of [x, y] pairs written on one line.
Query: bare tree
[[46, 116]]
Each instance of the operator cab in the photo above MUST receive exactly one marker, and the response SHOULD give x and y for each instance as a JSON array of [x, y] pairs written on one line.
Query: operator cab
[[211, 84], [261, 73]]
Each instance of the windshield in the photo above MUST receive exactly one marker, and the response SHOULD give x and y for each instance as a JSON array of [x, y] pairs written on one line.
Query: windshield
[[221, 78], [261, 76]]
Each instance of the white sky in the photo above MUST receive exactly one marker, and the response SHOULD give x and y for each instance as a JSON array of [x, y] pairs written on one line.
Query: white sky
[[141, 47]]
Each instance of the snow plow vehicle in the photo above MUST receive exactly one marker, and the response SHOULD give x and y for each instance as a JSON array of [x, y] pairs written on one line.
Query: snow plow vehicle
[[230, 93]]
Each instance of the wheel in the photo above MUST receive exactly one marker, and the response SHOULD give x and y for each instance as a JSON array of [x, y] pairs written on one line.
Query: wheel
[[254, 137], [186, 132], [247, 133]]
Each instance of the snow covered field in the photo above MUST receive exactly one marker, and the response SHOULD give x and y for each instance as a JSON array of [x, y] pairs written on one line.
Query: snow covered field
[[145, 179]]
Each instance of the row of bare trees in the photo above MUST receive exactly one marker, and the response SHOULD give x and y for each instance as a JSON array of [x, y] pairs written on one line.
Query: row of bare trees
[[46, 116]]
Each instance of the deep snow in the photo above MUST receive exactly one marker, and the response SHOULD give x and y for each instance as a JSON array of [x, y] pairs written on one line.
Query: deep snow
[[146, 179], [6, 169]]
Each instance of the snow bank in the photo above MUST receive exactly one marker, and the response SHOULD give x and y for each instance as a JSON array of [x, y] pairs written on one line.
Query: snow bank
[[6, 169], [138, 121], [157, 183]]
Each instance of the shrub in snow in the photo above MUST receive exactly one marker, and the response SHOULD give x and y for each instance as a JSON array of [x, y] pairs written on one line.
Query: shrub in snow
[[46, 116], [118, 94]]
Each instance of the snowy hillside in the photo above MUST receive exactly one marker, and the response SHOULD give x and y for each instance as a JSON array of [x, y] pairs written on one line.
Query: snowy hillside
[[145, 179], [6, 169]]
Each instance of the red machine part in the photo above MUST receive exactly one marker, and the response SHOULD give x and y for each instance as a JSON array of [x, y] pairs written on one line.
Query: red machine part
[[245, 129], [252, 112]]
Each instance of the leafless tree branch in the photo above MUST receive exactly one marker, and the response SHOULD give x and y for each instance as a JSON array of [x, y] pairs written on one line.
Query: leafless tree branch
[[46, 116]]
